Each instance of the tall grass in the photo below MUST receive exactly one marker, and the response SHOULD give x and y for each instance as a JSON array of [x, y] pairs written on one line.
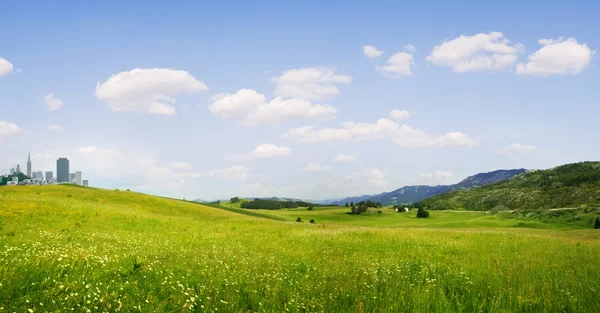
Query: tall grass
[[121, 252]]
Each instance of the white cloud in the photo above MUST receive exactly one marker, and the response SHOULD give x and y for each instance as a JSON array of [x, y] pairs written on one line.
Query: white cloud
[[399, 65], [53, 103], [250, 108], [557, 57], [7, 130], [517, 147], [147, 90], [385, 128], [234, 172], [345, 158], [269, 151], [491, 52], [410, 48], [257, 190], [315, 167], [54, 128], [5, 67], [375, 177], [180, 166], [399, 114], [309, 83], [437, 174], [371, 52]]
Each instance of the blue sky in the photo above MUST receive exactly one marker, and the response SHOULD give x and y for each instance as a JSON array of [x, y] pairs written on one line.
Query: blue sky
[[219, 85]]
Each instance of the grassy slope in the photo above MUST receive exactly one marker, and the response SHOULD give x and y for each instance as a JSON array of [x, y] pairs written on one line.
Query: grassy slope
[[65, 247], [566, 186], [561, 219]]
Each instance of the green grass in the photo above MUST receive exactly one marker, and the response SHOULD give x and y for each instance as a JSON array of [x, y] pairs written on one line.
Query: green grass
[[64, 248]]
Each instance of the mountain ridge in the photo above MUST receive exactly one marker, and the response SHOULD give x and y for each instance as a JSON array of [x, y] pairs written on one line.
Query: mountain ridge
[[415, 193]]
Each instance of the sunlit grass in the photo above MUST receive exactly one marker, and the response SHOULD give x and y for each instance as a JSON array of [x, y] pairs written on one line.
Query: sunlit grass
[[64, 248]]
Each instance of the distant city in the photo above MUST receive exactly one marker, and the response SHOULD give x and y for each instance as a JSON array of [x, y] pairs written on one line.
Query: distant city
[[63, 175]]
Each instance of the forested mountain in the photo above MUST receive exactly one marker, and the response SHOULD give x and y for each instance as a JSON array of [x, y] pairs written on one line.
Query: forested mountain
[[411, 194], [564, 186]]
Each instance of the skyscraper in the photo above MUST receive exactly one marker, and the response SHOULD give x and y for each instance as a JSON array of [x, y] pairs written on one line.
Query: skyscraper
[[72, 178], [18, 169], [78, 178], [86, 182], [29, 164], [49, 176], [40, 175], [62, 170]]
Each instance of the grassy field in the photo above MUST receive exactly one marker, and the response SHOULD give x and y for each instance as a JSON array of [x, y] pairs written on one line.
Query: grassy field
[[67, 248]]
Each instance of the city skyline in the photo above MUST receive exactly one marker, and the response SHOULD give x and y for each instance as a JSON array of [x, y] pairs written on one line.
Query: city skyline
[[269, 100], [63, 174]]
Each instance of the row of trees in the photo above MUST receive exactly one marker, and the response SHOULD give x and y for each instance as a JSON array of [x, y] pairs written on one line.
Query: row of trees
[[362, 207], [5, 179], [368, 203]]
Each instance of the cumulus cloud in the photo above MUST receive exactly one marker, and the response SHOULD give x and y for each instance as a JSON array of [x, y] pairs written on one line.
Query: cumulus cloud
[[410, 48], [54, 128], [180, 165], [315, 167], [557, 57], [7, 130], [517, 147], [309, 83], [399, 114], [398, 65], [385, 128], [347, 158], [481, 52], [269, 151], [147, 90], [437, 174], [374, 177], [238, 172], [251, 108], [53, 103], [5, 67], [371, 52]]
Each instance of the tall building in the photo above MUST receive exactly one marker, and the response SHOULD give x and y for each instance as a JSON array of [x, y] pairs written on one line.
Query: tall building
[[72, 178], [29, 165], [86, 182], [18, 169], [62, 170], [33, 175], [78, 178], [49, 176], [12, 171], [39, 175]]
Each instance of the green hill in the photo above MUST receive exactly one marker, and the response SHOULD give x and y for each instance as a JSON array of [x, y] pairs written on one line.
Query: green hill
[[567, 186], [67, 248]]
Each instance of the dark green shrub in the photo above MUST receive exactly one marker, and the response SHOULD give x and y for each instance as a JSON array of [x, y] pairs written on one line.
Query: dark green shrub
[[379, 212], [597, 224], [310, 208], [312, 221], [299, 220], [422, 213]]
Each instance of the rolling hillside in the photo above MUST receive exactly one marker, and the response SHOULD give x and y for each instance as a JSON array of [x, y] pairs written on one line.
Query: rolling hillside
[[566, 186], [65, 248], [411, 194]]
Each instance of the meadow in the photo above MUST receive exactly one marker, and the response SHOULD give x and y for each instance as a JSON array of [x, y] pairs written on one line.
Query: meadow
[[74, 249]]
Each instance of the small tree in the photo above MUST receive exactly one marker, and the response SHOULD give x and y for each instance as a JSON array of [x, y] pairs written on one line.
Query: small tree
[[353, 209], [235, 199], [597, 224], [312, 221], [310, 208], [422, 213], [347, 205], [352, 203], [299, 220]]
